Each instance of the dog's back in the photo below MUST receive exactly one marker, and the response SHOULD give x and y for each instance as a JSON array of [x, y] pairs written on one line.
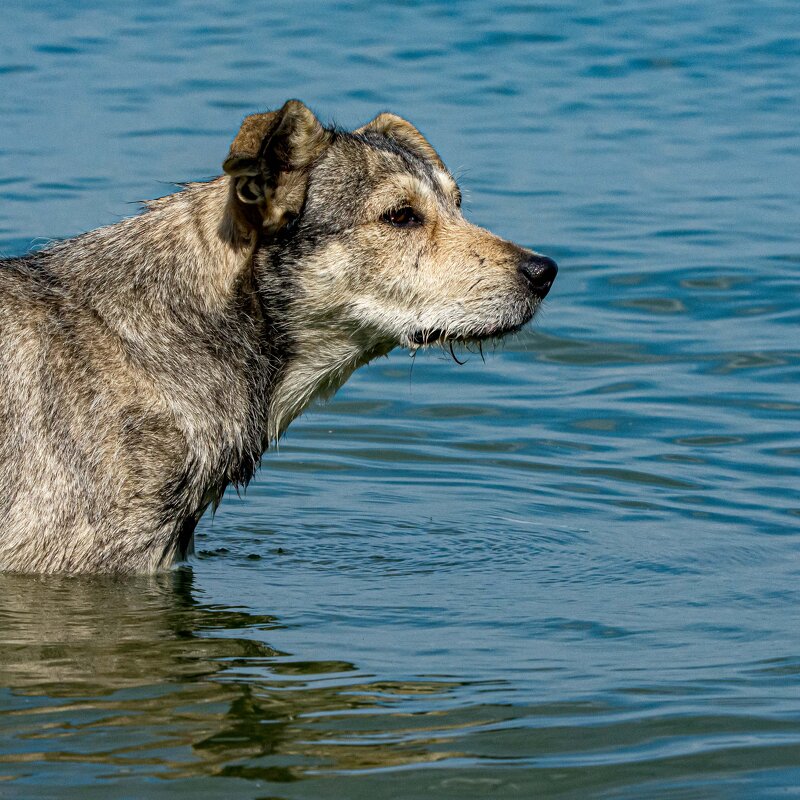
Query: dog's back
[[131, 387], [68, 408]]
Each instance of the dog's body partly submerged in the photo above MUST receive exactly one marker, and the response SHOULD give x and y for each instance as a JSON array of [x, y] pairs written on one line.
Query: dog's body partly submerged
[[146, 365]]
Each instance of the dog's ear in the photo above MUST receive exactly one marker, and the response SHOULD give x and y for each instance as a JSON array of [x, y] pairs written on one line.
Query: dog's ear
[[405, 134], [269, 161]]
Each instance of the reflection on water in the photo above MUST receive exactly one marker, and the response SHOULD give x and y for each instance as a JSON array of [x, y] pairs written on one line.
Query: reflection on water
[[67, 637], [140, 678], [140, 674]]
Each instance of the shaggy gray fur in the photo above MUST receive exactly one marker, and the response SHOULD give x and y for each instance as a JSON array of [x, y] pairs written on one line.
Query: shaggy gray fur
[[146, 365]]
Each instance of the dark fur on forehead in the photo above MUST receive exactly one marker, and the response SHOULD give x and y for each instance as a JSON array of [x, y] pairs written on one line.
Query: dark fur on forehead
[[411, 159]]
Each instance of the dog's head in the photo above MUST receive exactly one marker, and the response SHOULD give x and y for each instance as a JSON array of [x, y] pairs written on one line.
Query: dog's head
[[366, 228]]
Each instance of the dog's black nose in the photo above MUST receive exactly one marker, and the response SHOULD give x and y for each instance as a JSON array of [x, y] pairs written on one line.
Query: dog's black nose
[[539, 273]]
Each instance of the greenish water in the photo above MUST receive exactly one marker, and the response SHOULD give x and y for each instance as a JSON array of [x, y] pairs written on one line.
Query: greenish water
[[569, 572]]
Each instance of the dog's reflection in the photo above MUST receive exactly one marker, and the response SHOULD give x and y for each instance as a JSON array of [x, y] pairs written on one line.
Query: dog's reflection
[[65, 636], [142, 671]]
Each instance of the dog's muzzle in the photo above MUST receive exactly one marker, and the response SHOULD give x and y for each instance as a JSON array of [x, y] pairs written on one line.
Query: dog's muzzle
[[538, 272]]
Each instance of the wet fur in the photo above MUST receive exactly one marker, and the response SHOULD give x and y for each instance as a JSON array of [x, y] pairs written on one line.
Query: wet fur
[[147, 365]]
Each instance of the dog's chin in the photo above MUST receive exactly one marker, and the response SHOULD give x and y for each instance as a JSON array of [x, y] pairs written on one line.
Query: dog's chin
[[425, 337]]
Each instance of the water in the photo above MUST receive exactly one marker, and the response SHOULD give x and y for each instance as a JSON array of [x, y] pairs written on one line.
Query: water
[[569, 572]]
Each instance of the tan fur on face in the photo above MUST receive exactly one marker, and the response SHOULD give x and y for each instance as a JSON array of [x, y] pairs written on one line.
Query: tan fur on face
[[447, 274]]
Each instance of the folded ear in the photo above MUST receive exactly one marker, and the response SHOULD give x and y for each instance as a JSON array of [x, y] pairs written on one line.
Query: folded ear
[[405, 134], [269, 161]]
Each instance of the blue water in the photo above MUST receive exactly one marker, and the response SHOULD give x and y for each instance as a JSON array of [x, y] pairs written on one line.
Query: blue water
[[569, 572]]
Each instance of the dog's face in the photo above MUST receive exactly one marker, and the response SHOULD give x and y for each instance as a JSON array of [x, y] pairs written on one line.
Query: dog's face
[[394, 256], [368, 229]]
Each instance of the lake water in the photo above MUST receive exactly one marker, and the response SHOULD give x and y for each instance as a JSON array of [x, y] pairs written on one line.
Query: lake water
[[569, 572]]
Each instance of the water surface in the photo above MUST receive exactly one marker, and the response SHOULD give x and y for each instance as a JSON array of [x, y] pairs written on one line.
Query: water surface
[[568, 572]]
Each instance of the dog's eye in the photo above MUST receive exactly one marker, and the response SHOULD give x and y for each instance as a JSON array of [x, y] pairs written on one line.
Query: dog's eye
[[403, 217]]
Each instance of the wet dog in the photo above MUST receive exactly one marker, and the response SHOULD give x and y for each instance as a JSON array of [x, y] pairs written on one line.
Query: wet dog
[[147, 365]]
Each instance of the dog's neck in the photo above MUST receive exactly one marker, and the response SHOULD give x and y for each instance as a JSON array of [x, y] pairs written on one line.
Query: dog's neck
[[322, 362], [192, 271], [184, 253]]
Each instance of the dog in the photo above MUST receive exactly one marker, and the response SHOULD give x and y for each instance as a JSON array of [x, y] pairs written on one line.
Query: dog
[[147, 365]]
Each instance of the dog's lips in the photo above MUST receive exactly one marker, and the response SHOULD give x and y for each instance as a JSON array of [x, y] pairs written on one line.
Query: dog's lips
[[427, 337]]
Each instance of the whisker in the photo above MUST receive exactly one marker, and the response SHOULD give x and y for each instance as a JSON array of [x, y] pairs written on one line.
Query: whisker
[[455, 358]]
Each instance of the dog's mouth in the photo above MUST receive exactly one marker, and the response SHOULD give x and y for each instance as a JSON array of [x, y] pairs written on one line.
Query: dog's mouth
[[509, 317], [438, 336], [427, 337], [473, 341]]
